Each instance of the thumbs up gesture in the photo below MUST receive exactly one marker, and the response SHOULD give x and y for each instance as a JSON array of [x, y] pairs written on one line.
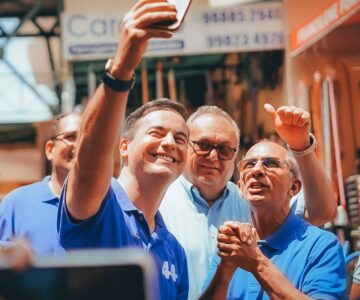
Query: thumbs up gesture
[[292, 124]]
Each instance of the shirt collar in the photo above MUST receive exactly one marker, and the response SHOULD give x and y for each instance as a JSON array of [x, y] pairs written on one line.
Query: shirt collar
[[127, 205], [284, 234], [46, 193], [194, 193]]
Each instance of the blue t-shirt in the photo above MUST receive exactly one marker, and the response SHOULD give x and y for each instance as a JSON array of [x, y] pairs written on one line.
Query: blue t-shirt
[[310, 258], [30, 213], [118, 223]]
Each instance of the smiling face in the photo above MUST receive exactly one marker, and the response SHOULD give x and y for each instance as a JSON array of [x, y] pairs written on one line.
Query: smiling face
[[266, 180], [158, 146], [208, 173]]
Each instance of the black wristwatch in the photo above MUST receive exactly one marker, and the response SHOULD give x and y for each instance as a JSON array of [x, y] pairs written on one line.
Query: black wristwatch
[[116, 84]]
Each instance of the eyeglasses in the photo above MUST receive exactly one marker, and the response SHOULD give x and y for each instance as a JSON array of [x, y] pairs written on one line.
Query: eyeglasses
[[268, 163], [68, 138], [204, 148]]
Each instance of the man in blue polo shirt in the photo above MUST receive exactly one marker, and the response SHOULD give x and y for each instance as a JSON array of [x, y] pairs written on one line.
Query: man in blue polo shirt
[[282, 256], [97, 211], [30, 212]]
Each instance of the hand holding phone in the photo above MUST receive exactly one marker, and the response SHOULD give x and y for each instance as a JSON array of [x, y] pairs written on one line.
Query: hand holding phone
[[182, 7]]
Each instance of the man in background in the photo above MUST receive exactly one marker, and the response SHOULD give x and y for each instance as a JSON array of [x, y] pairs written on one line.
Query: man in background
[[29, 213]]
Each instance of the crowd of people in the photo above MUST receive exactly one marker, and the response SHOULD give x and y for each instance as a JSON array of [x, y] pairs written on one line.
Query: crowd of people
[[210, 238]]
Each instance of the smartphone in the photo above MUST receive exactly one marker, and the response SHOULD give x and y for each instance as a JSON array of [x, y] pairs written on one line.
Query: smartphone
[[182, 6], [83, 275]]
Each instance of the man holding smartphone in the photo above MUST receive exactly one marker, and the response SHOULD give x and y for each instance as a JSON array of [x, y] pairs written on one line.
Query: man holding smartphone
[[97, 211]]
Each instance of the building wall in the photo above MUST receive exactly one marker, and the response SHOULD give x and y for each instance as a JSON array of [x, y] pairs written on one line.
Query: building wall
[[335, 55], [19, 166], [108, 5]]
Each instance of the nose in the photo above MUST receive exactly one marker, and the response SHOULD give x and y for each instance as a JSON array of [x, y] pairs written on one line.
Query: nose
[[258, 169], [213, 155], [169, 140]]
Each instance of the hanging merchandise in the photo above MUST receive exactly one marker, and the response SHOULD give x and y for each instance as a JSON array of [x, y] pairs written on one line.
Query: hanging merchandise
[[172, 84], [326, 128], [209, 98], [335, 133], [329, 153], [144, 83], [349, 77], [254, 91], [91, 81], [303, 99], [316, 114], [159, 79]]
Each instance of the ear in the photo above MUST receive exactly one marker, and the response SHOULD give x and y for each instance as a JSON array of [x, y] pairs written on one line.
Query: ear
[[49, 147], [123, 147], [239, 183], [295, 187]]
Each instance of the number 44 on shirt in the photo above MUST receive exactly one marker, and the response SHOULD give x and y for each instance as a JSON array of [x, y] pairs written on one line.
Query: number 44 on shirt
[[169, 272]]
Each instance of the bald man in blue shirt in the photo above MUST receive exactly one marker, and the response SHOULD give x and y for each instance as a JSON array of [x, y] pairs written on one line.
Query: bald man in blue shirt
[[278, 255]]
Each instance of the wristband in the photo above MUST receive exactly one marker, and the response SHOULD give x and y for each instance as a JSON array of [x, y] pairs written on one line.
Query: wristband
[[313, 145], [116, 84]]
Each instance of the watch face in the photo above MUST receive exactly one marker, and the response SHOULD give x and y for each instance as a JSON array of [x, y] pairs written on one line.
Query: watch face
[[109, 64]]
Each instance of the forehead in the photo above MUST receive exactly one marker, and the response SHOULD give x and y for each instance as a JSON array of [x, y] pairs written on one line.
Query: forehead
[[267, 149], [166, 119], [212, 127], [69, 123]]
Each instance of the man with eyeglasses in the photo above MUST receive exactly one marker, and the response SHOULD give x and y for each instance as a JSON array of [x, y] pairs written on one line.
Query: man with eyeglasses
[[278, 255], [201, 200], [30, 212]]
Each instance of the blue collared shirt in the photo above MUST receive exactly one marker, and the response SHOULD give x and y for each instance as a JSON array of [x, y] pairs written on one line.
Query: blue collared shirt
[[118, 223], [310, 258], [30, 213], [195, 225]]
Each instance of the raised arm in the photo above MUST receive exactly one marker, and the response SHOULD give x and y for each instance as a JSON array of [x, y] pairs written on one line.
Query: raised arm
[[90, 178], [293, 126]]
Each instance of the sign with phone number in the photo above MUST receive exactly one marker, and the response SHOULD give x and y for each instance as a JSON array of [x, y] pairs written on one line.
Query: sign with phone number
[[254, 27]]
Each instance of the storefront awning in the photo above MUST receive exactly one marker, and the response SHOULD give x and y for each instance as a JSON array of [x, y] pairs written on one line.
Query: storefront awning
[[323, 22]]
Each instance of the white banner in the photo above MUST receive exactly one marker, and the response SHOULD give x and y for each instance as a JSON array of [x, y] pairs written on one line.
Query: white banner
[[230, 2], [254, 27]]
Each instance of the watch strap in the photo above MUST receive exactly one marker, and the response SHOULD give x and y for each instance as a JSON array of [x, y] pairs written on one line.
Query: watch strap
[[116, 84], [307, 151]]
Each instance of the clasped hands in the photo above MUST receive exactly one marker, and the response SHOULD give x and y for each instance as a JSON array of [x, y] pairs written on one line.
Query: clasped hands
[[237, 246]]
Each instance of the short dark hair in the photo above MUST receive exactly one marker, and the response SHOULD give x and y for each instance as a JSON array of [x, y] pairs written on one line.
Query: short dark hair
[[142, 111], [56, 122]]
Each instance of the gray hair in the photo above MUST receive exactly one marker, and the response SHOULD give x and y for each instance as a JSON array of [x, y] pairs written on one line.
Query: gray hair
[[214, 110], [293, 165], [290, 160]]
